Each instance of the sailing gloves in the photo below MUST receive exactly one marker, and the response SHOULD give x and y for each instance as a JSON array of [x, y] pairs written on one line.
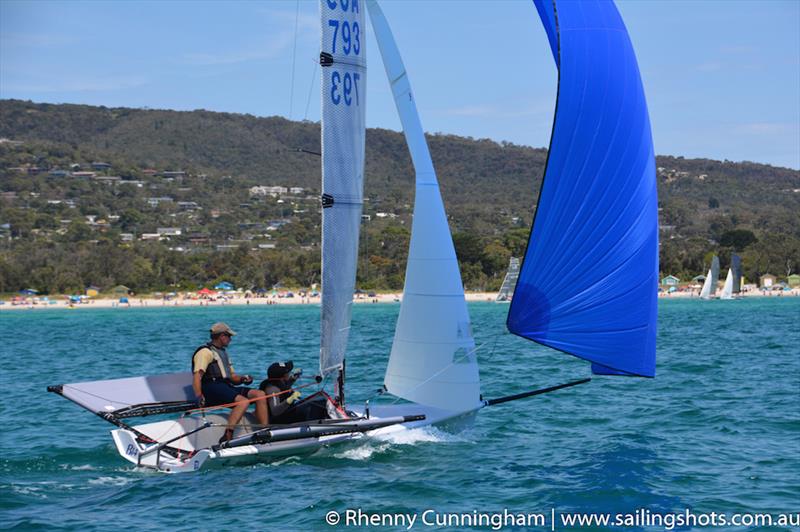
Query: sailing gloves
[[292, 398]]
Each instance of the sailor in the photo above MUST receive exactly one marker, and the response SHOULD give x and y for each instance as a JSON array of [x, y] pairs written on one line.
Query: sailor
[[215, 381], [284, 403]]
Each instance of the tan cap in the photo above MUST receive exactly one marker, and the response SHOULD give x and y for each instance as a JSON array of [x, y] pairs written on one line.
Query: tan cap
[[220, 327]]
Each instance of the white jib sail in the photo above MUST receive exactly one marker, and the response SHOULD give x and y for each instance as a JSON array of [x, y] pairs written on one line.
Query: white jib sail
[[727, 290], [433, 358], [705, 292], [710, 284], [344, 74]]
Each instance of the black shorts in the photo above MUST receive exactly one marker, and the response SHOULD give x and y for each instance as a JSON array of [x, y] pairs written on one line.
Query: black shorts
[[221, 392]]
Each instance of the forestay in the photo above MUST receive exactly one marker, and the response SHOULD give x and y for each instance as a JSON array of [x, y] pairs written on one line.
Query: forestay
[[588, 284], [343, 59], [432, 360]]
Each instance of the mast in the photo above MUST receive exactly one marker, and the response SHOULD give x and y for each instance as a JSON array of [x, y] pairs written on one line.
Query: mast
[[344, 77], [432, 360]]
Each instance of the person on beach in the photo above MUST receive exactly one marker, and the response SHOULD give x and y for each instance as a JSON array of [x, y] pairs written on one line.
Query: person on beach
[[215, 381], [284, 403]]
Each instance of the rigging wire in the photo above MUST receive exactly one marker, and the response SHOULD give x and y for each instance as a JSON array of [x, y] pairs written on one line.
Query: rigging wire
[[311, 89], [294, 54]]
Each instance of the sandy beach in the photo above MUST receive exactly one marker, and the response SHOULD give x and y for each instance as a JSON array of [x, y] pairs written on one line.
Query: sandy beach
[[192, 300]]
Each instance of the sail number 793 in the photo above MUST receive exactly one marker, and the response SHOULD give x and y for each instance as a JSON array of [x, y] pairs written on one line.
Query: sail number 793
[[344, 87], [348, 33]]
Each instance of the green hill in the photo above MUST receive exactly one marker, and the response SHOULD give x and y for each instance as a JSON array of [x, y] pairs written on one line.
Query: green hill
[[63, 228]]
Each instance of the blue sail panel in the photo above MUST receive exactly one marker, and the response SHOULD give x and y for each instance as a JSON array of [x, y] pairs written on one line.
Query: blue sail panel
[[588, 283], [548, 15]]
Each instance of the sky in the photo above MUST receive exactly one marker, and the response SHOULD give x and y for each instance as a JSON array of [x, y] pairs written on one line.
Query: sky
[[722, 78]]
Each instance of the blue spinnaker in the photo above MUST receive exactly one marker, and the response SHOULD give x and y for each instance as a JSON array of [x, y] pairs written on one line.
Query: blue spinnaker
[[588, 283]]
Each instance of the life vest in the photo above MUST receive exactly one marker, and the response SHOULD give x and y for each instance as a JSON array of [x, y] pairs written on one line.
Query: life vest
[[219, 368]]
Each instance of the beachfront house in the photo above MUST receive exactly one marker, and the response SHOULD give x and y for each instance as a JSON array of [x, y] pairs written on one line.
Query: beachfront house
[[767, 280], [670, 280]]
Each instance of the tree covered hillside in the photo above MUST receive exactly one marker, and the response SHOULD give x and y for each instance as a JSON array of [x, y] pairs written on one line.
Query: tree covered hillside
[[155, 199]]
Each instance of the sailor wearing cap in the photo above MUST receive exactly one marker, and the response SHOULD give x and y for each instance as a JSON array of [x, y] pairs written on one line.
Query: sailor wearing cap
[[278, 386], [284, 403], [215, 382]]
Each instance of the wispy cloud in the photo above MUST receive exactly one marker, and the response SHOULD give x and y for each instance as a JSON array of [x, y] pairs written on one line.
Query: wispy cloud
[[472, 110], [737, 49], [711, 66], [35, 40], [279, 27], [768, 128], [83, 84], [277, 44], [512, 109]]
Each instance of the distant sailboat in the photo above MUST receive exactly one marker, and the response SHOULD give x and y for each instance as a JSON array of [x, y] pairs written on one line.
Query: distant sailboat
[[727, 289], [733, 281], [710, 284], [736, 266], [509, 281]]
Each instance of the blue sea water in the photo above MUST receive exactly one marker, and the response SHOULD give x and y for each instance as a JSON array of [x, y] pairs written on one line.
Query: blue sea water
[[717, 430]]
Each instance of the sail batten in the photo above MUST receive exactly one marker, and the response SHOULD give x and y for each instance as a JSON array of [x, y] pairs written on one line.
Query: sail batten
[[588, 280]]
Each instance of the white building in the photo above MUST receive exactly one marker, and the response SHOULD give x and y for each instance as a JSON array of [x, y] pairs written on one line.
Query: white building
[[267, 191]]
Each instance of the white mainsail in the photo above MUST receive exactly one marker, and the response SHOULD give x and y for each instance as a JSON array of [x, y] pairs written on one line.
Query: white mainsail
[[343, 60], [727, 290], [509, 281], [432, 360], [710, 284]]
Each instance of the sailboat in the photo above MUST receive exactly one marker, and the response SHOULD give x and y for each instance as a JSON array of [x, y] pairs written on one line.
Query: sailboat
[[509, 281], [733, 280], [727, 288], [433, 326], [710, 284], [587, 285]]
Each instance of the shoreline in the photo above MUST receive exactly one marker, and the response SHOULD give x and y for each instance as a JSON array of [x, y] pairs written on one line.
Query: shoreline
[[62, 302]]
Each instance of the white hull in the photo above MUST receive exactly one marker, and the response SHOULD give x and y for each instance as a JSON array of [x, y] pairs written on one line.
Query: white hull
[[197, 446]]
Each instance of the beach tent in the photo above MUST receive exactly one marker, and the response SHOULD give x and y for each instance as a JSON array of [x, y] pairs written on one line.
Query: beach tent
[[224, 285], [92, 291], [29, 292]]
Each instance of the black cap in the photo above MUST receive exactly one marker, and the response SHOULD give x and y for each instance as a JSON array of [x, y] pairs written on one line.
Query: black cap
[[279, 369]]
